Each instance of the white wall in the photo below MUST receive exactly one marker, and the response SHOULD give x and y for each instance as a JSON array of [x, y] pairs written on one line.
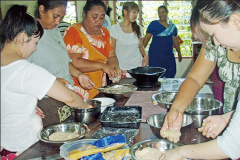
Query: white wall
[[183, 67], [5, 5], [80, 5]]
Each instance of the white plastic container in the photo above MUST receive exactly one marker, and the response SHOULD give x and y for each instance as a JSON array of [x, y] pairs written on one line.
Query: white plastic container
[[170, 84], [66, 148], [105, 102]]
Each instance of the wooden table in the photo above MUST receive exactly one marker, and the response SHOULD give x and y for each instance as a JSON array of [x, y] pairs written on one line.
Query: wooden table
[[42, 149]]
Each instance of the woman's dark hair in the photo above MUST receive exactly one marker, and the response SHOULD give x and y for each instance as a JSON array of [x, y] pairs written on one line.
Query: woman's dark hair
[[163, 6], [211, 12], [92, 3], [48, 4], [128, 6], [17, 20]]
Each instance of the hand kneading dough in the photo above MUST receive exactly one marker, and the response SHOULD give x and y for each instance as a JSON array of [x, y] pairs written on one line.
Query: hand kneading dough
[[116, 79], [171, 135], [148, 154]]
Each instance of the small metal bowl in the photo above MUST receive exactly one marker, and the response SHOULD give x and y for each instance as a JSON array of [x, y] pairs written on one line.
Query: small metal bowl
[[118, 94], [79, 128], [156, 121], [164, 99], [88, 115], [161, 144]]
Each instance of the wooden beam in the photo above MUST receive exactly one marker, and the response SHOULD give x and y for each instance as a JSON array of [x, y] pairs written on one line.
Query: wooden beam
[[1, 18], [76, 11], [140, 12], [115, 12]]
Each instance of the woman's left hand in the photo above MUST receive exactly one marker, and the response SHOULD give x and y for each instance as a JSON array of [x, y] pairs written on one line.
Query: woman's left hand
[[85, 81], [119, 72], [145, 60], [39, 112], [180, 58], [213, 125]]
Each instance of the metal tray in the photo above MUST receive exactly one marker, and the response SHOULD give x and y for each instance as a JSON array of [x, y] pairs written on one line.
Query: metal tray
[[108, 131], [118, 89], [122, 117]]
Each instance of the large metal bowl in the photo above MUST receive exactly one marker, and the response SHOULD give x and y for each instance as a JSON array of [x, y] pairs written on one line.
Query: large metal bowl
[[203, 105], [156, 121], [88, 115], [161, 144], [114, 90], [79, 128], [201, 108], [147, 76]]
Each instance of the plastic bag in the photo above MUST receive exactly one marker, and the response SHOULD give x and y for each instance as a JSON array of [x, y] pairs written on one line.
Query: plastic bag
[[102, 149]]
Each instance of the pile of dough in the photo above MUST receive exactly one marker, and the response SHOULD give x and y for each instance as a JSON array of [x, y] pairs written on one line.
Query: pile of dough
[[148, 154], [171, 135], [116, 79], [62, 136]]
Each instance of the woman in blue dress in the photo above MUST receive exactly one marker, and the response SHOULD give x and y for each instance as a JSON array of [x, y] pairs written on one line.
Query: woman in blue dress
[[164, 37]]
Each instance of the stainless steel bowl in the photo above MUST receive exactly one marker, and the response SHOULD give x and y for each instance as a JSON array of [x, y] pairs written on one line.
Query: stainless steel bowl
[[156, 121], [88, 115], [161, 144], [79, 128], [201, 108], [113, 91], [164, 99]]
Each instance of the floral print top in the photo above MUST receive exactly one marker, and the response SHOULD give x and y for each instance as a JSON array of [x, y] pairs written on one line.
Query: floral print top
[[228, 72], [91, 47]]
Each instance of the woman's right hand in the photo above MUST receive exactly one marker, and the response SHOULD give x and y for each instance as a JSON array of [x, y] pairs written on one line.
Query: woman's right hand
[[89, 106], [110, 71], [171, 154], [172, 121], [212, 126]]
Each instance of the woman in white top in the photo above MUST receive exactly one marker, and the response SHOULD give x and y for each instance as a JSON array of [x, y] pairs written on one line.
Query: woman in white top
[[23, 83], [127, 39]]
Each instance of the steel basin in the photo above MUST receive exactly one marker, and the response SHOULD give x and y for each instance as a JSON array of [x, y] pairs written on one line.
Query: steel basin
[[156, 121], [88, 115]]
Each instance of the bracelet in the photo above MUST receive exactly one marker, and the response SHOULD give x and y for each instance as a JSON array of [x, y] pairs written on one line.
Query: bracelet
[[115, 67], [79, 74], [141, 46]]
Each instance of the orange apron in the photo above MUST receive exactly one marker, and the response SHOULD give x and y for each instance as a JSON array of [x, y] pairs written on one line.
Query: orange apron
[[92, 47]]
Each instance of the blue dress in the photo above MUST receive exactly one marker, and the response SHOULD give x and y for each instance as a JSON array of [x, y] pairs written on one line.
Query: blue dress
[[161, 48]]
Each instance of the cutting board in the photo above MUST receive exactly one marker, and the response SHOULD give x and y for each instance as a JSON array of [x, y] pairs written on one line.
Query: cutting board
[[144, 99]]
